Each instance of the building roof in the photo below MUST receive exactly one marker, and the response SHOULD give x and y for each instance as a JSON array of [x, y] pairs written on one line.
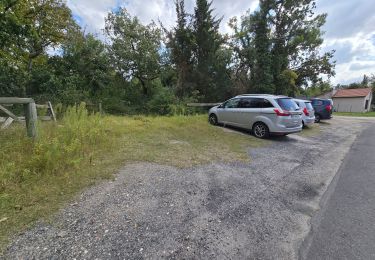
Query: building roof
[[348, 93]]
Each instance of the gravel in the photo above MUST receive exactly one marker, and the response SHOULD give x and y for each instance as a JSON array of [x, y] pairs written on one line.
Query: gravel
[[258, 210]]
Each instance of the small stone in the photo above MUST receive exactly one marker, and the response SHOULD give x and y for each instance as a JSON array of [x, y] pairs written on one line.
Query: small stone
[[62, 234], [141, 249]]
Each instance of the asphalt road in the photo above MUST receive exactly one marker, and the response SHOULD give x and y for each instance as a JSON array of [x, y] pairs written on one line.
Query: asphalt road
[[345, 227], [257, 210]]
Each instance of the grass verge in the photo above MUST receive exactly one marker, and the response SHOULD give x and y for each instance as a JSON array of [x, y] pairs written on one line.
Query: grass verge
[[368, 114], [37, 178]]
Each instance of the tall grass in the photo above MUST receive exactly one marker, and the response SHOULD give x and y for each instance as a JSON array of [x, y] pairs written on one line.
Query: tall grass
[[59, 148], [35, 176]]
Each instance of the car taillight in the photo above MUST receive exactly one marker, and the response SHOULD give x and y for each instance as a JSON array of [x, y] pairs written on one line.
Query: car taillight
[[306, 112], [281, 113], [329, 108]]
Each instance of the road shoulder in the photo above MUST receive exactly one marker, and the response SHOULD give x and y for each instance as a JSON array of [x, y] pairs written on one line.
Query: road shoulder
[[343, 228]]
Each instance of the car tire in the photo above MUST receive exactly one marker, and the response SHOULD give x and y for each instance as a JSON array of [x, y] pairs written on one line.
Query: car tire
[[213, 119], [260, 130], [317, 118]]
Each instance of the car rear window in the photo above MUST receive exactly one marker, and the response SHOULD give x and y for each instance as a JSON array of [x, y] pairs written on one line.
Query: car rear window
[[309, 106], [317, 102], [287, 104]]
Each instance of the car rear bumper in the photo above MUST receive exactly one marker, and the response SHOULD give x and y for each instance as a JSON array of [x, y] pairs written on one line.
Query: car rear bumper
[[325, 116], [309, 121], [285, 130]]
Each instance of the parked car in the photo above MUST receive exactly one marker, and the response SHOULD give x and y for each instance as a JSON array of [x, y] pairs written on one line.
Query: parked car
[[323, 109], [308, 116], [263, 114]]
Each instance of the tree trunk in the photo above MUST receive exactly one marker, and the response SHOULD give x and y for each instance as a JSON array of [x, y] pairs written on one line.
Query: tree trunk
[[144, 87]]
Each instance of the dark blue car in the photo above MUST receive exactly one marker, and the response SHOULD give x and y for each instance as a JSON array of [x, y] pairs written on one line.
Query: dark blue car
[[323, 109]]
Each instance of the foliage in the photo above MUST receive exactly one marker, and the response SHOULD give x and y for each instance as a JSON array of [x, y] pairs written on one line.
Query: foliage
[[146, 68], [207, 44], [135, 48], [279, 38], [317, 89], [180, 42], [29, 29]]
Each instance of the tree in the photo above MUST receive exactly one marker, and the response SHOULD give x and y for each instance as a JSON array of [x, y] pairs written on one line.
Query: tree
[[262, 75], [366, 81], [283, 38], [135, 48], [29, 29], [180, 42], [208, 42], [297, 37], [50, 20]]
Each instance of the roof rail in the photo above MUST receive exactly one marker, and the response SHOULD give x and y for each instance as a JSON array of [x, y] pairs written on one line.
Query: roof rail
[[244, 95]]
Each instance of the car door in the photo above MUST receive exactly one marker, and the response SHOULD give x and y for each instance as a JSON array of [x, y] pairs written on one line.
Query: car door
[[227, 112], [249, 109]]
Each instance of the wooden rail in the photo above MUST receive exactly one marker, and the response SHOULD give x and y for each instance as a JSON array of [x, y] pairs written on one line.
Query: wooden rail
[[31, 115], [203, 104]]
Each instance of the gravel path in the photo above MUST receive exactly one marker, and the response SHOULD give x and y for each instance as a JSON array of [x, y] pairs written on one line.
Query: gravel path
[[259, 210]]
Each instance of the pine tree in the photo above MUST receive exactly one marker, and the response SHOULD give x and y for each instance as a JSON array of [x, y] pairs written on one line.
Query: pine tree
[[262, 75], [180, 43], [207, 43]]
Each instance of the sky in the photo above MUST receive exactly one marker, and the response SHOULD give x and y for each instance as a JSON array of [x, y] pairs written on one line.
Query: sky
[[350, 27]]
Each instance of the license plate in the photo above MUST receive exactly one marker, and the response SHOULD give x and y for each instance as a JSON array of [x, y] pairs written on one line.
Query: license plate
[[295, 116]]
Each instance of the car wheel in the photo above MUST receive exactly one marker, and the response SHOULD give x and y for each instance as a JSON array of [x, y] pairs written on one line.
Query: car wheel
[[213, 119], [303, 124], [317, 118], [260, 130]]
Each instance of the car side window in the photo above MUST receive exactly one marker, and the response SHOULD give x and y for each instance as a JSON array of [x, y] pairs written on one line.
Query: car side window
[[251, 103], [233, 103], [245, 103], [267, 104]]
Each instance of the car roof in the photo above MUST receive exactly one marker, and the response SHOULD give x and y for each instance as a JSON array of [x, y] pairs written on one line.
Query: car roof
[[321, 99], [261, 96], [302, 100]]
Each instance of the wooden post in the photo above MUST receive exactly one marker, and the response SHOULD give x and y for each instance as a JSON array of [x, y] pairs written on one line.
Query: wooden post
[[100, 108], [31, 119], [52, 112]]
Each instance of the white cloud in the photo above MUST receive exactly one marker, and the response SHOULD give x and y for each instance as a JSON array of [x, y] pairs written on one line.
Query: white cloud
[[92, 12], [349, 27]]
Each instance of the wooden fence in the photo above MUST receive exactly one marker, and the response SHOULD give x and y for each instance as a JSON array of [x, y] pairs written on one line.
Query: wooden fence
[[203, 104], [31, 116]]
